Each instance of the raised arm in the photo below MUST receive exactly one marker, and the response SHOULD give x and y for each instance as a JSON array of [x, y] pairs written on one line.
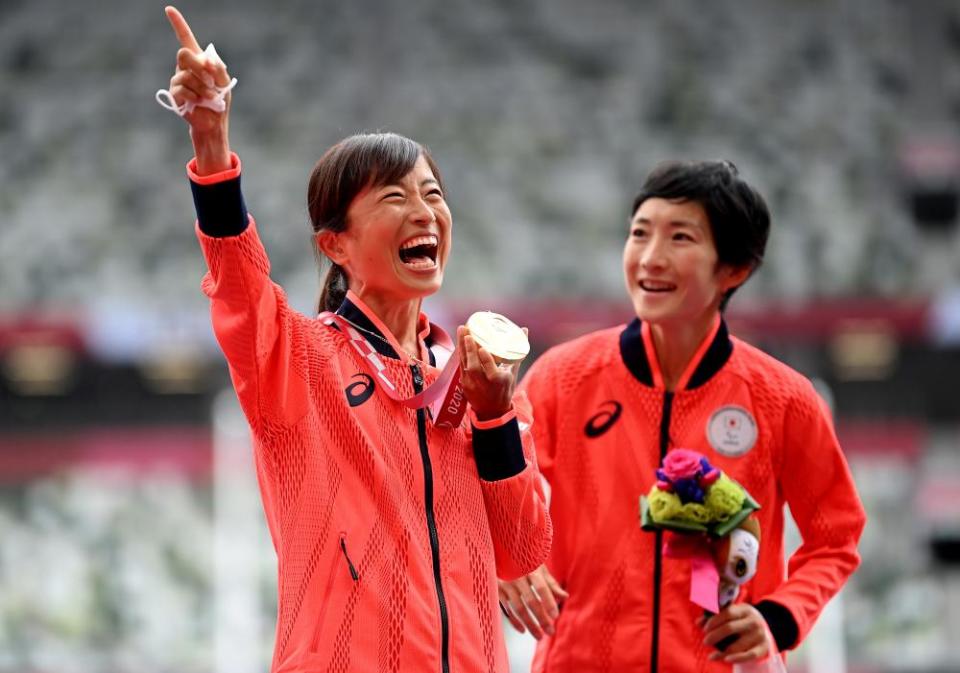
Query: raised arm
[[193, 81], [265, 342]]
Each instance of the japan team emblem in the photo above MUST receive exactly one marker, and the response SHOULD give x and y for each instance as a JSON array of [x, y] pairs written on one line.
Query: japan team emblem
[[732, 431]]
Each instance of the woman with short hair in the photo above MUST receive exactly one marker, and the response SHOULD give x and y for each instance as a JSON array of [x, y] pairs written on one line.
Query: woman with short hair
[[610, 405]]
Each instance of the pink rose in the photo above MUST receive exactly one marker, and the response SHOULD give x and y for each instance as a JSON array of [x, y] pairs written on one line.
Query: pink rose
[[682, 464]]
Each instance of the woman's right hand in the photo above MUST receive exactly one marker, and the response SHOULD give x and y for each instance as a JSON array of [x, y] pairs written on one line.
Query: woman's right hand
[[532, 603], [193, 81]]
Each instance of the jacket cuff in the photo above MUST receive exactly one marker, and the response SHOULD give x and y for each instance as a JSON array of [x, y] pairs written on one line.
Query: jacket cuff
[[218, 200], [782, 625], [213, 178], [497, 448], [493, 422]]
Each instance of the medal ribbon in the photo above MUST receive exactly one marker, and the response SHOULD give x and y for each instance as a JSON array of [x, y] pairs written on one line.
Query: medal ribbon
[[444, 397]]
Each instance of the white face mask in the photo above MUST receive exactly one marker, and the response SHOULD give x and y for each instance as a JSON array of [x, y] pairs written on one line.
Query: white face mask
[[217, 103]]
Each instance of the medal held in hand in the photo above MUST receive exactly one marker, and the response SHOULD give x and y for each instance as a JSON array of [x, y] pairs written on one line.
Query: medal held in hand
[[500, 337]]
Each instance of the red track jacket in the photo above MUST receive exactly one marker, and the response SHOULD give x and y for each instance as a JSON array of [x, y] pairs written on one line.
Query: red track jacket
[[602, 421], [389, 532]]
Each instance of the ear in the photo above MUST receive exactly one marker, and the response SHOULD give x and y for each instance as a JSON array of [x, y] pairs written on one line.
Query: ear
[[331, 245], [733, 276]]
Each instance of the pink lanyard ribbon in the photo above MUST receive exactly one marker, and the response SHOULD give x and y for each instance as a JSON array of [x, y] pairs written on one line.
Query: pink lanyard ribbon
[[444, 397]]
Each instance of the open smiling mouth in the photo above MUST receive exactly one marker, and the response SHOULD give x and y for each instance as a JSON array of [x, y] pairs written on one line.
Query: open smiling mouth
[[420, 253], [657, 286]]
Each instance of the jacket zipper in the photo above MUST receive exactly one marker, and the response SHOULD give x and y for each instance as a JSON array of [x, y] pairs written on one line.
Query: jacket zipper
[[658, 543], [432, 524], [354, 575]]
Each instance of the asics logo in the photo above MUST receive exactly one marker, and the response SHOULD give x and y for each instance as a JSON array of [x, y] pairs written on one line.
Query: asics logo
[[604, 419], [360, 391]]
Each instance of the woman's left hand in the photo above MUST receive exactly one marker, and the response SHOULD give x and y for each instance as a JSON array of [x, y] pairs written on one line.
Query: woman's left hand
[[741, 620], [487, 386]]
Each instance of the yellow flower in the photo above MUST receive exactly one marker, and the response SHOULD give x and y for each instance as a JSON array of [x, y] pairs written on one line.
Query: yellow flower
[[724, 499]]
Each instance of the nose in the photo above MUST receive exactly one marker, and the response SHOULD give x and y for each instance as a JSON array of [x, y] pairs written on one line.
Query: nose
[[421, 212], [653, 257]]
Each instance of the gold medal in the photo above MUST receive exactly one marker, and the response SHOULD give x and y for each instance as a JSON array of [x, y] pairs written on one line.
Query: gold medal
[[498, 336]]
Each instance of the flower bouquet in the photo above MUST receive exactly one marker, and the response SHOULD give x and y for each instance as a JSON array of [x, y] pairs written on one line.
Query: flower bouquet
[[710, 513]]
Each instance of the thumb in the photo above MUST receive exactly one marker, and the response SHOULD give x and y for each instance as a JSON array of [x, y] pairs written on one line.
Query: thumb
[[216, 65]]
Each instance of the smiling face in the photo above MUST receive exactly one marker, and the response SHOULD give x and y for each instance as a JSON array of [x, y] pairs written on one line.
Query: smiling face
[[671, 266], [397, 238]]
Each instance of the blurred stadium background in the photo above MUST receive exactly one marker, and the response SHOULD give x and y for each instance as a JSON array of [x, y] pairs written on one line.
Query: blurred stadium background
[[132, 538]]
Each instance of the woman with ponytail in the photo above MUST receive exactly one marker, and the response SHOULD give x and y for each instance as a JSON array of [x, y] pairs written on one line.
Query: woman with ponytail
[[390, 527]]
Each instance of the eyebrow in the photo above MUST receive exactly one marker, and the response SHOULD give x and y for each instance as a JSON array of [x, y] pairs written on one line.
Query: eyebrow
[[423, 182], [672, 223]]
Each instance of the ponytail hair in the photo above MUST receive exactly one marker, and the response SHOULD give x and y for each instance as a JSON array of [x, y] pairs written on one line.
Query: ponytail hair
[[344, 170], [334, 289]]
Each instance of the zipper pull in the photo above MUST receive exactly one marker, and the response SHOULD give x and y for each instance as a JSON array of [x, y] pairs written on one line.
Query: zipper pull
[[417, 376], [343, 548]]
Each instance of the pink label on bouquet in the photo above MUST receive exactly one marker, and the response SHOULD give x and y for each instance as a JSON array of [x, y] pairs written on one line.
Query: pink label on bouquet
[[704, 576], [704, 581]]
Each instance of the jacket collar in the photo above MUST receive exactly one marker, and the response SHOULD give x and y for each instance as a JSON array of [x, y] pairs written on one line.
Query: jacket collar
[[639, 356], [357, 312]]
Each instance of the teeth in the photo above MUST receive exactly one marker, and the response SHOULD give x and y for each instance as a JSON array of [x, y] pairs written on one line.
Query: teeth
[[655, 285], [430, 239], [422, 264]]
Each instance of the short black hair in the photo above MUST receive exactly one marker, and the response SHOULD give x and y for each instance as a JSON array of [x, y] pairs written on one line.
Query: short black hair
[[738, 216]]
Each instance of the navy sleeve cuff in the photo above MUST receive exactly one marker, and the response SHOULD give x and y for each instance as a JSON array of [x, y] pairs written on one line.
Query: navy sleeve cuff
[[499, 451], [782, 625], [220, 208]]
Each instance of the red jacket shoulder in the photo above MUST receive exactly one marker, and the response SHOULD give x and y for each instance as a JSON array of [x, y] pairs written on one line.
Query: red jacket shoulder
[[763, 369], [573, 360]]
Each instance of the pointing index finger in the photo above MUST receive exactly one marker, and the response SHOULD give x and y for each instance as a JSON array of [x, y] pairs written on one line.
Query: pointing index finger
[[182, 29]]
